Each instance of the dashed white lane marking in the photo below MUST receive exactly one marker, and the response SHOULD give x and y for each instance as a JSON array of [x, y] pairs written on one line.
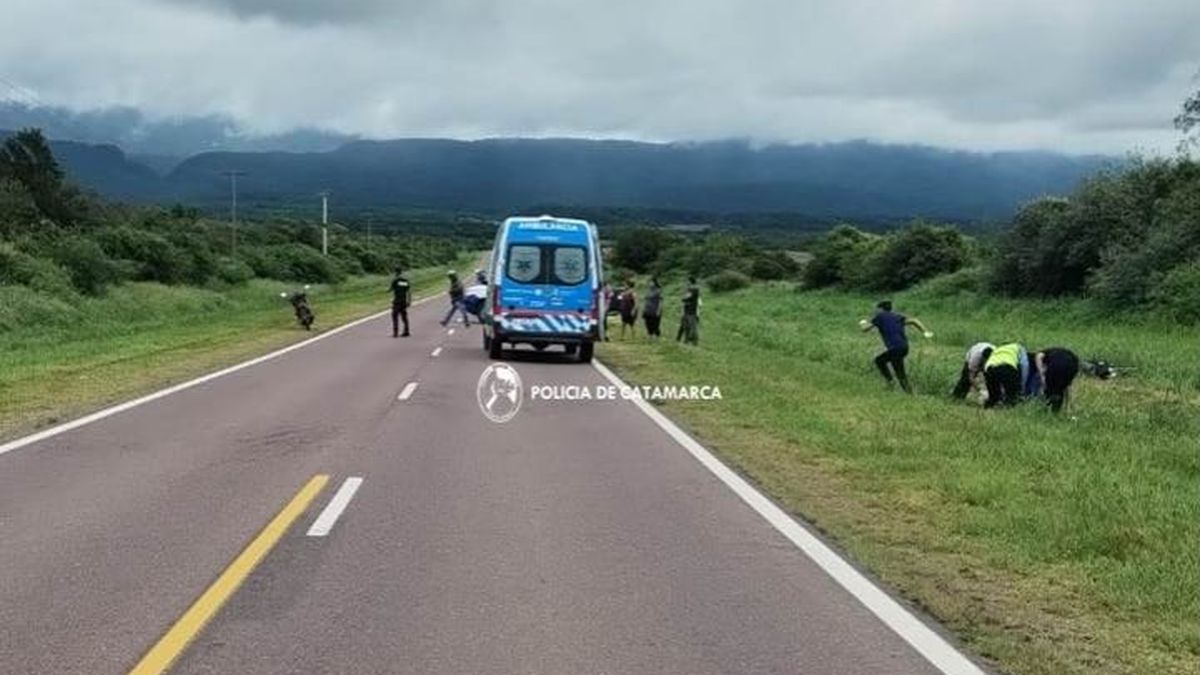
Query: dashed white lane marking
[[407, 392], [341, 499], [436, 352], [928, 643], [450, 332]]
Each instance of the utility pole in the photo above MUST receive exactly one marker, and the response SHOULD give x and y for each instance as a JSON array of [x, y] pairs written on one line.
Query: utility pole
[[233, 176], [368, 232], [324, 222]]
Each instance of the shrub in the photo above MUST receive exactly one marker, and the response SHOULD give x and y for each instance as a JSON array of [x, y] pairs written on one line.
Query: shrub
[[914, 254], [154, 258], [297, 262], [39, 274], [839, 252], [85, 261], [22, 307], [638, 249], [199, 261], [727, 280], [1178, 296], [233, 271], [968, 280], [773, 265]]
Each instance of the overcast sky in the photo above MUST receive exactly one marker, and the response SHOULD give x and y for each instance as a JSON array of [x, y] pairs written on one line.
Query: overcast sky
[[1070, 75]]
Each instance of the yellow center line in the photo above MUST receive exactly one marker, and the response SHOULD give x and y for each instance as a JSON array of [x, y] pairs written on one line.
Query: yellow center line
[[170, 646]]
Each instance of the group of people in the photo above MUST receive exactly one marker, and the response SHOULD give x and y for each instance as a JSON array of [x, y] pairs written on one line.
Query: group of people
[[467, 301], [1009, 372], [624, 303]]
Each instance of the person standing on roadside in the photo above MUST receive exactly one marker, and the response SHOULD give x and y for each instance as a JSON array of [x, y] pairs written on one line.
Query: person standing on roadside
[[628, 305], [652, 309], [400, 300], [689, 323], [456, 300], [891, 326]]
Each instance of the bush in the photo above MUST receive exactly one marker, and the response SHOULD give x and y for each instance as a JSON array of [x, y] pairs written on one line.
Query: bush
[[840, 251], [22, 307], [969, 280], [914, 254], [773, 265], [233, 271], [85, 261], [154, 258], [639, 249], [727, 280], [1178, 296], [297, 262], [39, 274]]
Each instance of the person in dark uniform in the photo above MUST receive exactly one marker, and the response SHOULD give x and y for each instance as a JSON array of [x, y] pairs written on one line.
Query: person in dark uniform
[[1057, 368], [400, 301], [891, 326], [689, 323]]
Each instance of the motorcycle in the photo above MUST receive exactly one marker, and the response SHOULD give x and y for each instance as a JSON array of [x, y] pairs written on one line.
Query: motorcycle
[[299, 300]]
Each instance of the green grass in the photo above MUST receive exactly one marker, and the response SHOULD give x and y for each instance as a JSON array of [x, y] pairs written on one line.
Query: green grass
[[60, 360], [1049, 544]]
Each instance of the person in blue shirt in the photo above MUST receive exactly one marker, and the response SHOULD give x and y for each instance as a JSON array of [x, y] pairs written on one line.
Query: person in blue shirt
[[891, 326]]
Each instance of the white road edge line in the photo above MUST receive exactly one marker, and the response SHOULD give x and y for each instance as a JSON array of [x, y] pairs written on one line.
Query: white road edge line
[[122, 407], [944, 656], [407, 391], [436, 352], [333, 510]]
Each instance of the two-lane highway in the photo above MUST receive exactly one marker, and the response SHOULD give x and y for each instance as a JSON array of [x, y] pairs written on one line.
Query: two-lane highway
[[577, 538]]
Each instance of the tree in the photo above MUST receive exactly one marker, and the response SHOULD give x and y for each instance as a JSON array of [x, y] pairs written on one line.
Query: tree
[[27, 159], [1188, 120]]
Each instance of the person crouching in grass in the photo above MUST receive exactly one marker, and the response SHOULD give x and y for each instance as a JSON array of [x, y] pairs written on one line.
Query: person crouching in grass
[[1056, 369]]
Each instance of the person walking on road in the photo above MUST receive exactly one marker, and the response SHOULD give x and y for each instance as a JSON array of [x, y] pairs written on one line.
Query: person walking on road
[[972, 369], [456, 300], [689, 323], [401, 298], [891, 326], [652, 310]]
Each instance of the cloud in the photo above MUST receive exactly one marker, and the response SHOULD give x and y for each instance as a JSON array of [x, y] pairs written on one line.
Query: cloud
[[1075, 75]]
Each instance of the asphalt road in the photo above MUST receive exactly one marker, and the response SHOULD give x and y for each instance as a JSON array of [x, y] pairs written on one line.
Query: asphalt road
[[577, 538]]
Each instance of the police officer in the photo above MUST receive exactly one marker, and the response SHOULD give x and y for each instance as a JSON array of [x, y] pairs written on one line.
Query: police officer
[[400, 301]]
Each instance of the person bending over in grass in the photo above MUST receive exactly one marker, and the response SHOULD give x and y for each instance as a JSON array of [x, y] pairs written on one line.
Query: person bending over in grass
[[891, 327], [1005, 374], [1056, 370], [968, 380]]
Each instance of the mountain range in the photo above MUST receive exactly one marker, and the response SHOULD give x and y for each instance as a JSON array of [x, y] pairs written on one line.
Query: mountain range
[[853, 180]]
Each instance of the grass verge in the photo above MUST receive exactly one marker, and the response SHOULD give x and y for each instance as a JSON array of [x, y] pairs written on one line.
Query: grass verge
[[1049, 544], [140, 337]]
